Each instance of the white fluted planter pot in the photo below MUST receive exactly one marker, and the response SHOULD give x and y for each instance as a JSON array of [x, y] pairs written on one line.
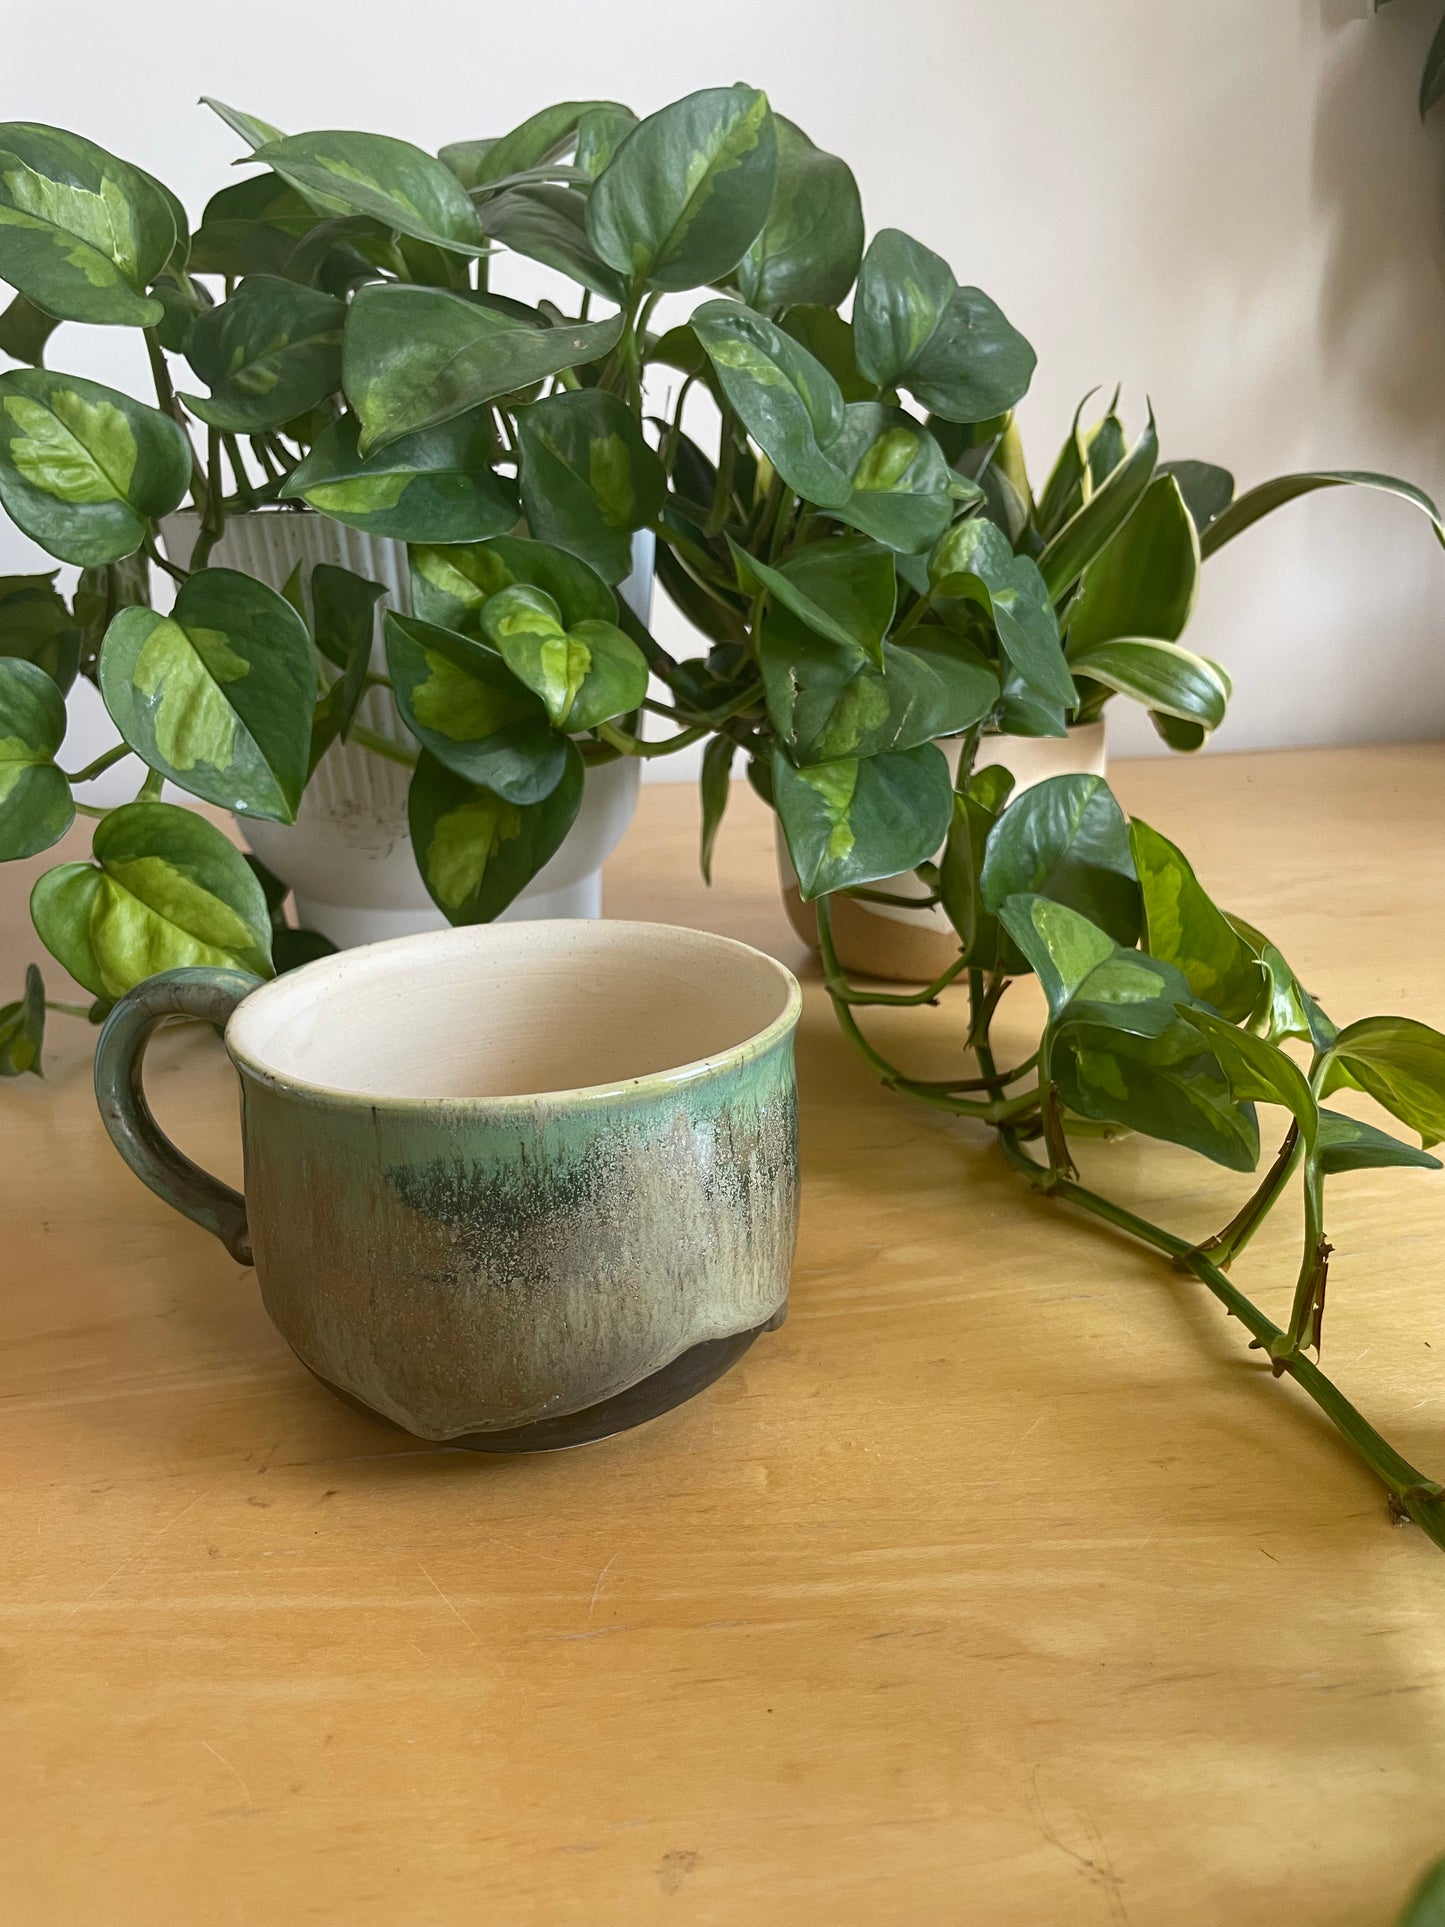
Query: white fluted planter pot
[[916, 946], [348, 857]]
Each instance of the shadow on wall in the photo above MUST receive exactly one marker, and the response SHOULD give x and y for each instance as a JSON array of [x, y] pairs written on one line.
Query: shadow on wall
[[1378, 178]]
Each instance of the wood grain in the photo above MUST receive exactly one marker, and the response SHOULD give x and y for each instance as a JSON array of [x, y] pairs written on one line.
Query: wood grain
[[1001, 1586]]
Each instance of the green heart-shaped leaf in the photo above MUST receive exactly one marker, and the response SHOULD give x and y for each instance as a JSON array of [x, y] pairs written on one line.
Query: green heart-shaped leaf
[[588, 477], [1164, 1085], [547, 222], [829, 701], [165, 890], [438, 486], [915, 328], [475, 849], [218, 694], [1400, 1063], [268, 354], [975, 811], [687, 190], [462, 702], [251, 227], [82, 233], [902, 486], [385, 179], [451, 586], [35, 802], [974, 561], [812, 241], [25, 330], [1258, 1070], [584, 675], [22, 1029], [1183, 927], [84, 469], [36, 625], [413, 357], [855, 821], [787, 400], [1067, 839], [844, 589], [1344, 1144]]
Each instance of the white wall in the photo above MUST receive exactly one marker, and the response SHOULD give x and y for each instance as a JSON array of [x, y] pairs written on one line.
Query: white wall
[[1226, 204]]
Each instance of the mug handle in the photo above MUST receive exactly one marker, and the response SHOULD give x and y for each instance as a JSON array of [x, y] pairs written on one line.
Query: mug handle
[[120, 1093]]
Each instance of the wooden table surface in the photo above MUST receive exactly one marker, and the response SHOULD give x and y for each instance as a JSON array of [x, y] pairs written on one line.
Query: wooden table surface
[[1001, 1586]]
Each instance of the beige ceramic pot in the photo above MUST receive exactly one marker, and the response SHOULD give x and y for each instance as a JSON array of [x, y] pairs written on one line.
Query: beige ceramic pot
[[909, 946]]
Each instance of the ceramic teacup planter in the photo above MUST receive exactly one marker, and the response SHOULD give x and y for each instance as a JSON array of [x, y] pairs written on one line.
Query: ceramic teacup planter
[[514, 1186], [909, 946]]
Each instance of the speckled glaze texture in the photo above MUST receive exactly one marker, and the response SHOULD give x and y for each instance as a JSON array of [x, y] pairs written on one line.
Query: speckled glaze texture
[[467, 1268]]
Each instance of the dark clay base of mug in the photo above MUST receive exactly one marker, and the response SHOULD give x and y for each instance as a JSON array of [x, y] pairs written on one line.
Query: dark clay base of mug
[[683, 1379]]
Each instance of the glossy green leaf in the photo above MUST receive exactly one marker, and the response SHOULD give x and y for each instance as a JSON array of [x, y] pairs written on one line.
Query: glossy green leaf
[[1162, 1085], [1283, 1008], [1344, 1144], [1070, 480], [1207, 489], [1086, 534], [36, 626], [1064, 948], [1165, 676], [82, 233], [451, 586], [25, 330], [268, 354], [688, 190], [974, 561], [829, 700], [789, 403], [1400, 1063], [1066, 838], [588, 477], [387, 180], [462, 702], [218, 694], [35, 804], [547, 222], [856, 821], [902, 486], [476, 849], [811, 244], [436, 486], [601, 130], [1259, 1071], [976, 809], [543, 136], [251, 227], [915, 328], [414, 357], [585, 675], [166, 890], [22, 1029], [253, 131], [344, 627], [1146, 581], [83, 468], [715, 784], [1426, 1905], [1248, 508], [844, 589], [1183, 927], [828, 338]]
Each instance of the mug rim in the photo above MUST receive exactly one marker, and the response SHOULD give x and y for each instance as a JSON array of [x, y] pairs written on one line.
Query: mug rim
[[649, 1083]]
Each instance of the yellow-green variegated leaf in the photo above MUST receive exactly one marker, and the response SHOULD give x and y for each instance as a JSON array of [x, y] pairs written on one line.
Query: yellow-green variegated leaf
[[1183, 926], [438, 486], [461, 702], [812, 242], [35, 804], [413, 357], [267, 355], [786, 398], [857, 821], [386, 179], [165, 890], [84, 470], [82, 233], [974, 563], [584, 676], [915, 328], [217, 695], [475, 849], [902, 486], [451, 586], [688, 190], [588, 477]]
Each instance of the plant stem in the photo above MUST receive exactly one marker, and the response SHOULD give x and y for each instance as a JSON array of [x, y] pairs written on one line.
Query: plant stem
[[101, 764], [96, 810], [166, 396], [172, 569], [636, 746], [1227, 1243], [379, 746]]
